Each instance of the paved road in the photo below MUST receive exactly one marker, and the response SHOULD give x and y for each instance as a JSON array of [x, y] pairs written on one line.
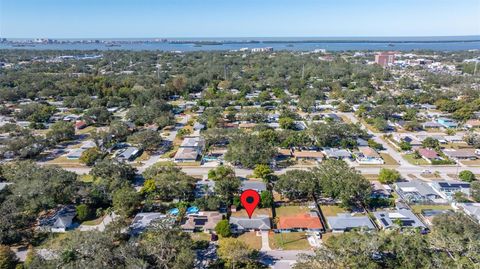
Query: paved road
[[405, 168], [377, 138], [281, 259]]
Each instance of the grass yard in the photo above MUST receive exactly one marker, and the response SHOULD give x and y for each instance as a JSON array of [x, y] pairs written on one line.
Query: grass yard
[[63, 161], [53, 241], [471, 162], [170, 153], [251, 239], [258, 212], [286, 211], [145, 156], [86, 178], [409, 158], [93, 222], [331, 210], [189, 164], [86, 130], [200, 236], [289, 241], [418, 208], [389, 160], [326, 236]]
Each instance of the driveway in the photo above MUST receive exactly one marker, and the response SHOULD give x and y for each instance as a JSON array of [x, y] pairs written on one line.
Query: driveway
[[265, 244]]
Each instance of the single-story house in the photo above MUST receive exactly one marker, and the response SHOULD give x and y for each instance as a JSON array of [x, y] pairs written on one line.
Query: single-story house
[[75, 154], [244, 224], [301, 222], [308, 155], [88, 144], [368, 155], [193, 142], [362, 142], [403, 217], [473, 123], [80, 124], [202, 221], [447, 123], [431, 125], [417, 191], [59, 221], [447, 189], [428, 154], [346, 222], [335, 153], [380, 190], [128, 153], [190, 149], [186, 155], [429, 214], [142, 220], [258, 186], [333, 116], [412, 140], [461, 154], [471, 209]]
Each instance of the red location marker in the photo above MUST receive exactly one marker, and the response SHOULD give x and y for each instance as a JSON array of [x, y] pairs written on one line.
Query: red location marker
[[250, 199]]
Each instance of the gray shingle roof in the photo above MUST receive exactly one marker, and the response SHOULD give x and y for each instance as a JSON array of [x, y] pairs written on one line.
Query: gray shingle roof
[[346, 222], [255, 223]]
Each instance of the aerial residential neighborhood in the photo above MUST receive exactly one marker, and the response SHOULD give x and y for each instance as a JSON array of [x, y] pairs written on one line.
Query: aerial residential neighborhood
[[138, 152]]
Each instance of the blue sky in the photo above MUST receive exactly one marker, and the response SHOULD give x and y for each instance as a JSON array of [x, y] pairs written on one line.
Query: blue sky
[[237, 18]]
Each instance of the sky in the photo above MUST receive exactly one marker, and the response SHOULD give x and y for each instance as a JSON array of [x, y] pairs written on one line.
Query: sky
[[237, 18]]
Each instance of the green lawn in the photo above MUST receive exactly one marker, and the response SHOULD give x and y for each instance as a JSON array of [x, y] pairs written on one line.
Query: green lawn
[[409, 158], [418, 208], [93, 222], [53, 241], [389, 160], [251, 239], [331, 210], [86, 178], [200, 236], [289, 241]]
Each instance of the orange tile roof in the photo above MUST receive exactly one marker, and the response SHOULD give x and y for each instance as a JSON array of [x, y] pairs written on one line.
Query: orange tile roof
[[302, 221]]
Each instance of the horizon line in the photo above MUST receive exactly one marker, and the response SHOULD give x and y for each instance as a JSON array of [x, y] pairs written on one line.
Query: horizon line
[[217, 37]]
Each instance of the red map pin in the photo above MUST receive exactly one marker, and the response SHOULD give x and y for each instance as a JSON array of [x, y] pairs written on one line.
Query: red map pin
[[250, 199]]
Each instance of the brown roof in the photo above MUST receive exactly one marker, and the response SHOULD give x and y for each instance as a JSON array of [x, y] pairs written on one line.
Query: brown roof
[[204, 220], [369, 152], [301, 221], [308, 154], [286, 152], [247, 125], [428, 153], [473, 122]]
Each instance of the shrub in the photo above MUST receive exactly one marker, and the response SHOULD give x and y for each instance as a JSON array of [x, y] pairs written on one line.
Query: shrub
[[466, 176], [223, 228], [83, 212]]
